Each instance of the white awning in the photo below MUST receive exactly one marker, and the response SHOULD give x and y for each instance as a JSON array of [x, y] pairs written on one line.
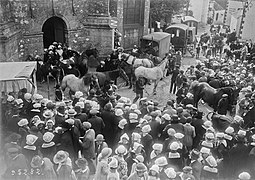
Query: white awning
[[17, 75]]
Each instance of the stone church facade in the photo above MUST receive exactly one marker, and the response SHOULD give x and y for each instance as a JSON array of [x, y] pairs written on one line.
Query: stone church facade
[[27, 27]]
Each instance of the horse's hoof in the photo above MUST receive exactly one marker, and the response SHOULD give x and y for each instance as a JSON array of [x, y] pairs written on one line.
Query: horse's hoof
[[130, 87], [154, 93]]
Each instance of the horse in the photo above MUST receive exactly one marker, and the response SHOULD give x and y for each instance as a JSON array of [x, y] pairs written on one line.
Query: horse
[[75, 84], [155, 73], [129, 63], [220, 122], [210, 95]]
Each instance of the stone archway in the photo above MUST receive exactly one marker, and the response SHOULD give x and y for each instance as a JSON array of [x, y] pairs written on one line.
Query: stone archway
[[54, 30]]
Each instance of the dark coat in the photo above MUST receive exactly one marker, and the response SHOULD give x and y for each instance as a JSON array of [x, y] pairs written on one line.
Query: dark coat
[[200, 131], [196, 169], [67, 143], [97, 124], [154, 129], [111, 126], [147, 142], [59, 119], [238, 155], [82, 117], [12, 124], [49, 152]]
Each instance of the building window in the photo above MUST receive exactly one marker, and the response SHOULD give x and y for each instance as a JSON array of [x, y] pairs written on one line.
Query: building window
[[133, 11]]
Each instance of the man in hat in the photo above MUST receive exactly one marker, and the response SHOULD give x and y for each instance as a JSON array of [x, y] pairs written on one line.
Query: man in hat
[[79, 106], [195, 164], [83, 172], [173, 79], [155, 125], [111, 124], [96, 121], [66, 141], [100, 144], [60, 115], [182, 92], [147, 141], [77, 122], [175, 124], [223, 105], [139, 86], [88, 146]]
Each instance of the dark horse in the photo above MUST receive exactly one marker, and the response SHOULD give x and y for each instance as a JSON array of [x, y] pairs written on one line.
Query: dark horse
[[202, 90]]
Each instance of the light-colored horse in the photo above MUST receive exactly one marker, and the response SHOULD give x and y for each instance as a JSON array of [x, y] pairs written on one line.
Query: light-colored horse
[[155, 74], [136, 62], [74, 84]]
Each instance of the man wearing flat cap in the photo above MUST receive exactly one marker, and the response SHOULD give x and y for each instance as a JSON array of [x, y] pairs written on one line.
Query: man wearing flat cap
[[97, 123]]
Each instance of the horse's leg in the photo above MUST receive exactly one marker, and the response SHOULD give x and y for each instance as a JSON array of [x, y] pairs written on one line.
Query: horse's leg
[[155, 87]]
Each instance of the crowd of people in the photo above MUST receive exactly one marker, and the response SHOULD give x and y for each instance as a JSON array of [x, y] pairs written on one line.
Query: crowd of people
[[81, 139]]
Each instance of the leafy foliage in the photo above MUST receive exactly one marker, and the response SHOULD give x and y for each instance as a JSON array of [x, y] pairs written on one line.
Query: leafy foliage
[[161, 9]]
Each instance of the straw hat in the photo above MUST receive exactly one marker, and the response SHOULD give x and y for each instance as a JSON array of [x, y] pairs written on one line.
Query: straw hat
[[23, 122], [36, 162], [31, 139], [118, 112], [146, 128], [48, 137], [81, 162], [229, 130], [178, 135], [174, 146], [48, 114], [105, 153], [122, 123], [157, 146], [87, 125], [10, 98], [124, 136], [71, 112], [60, 157], [121, 150], [78, 94], [161, 161], [244, 176], [139, 158], [166, 117], [171, 132], [93, 111], [155, 168], [170, 173], [205, 150]]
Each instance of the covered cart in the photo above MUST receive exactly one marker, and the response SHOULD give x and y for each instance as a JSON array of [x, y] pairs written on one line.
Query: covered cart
[[158, 42], [17, 75], [182, 36]]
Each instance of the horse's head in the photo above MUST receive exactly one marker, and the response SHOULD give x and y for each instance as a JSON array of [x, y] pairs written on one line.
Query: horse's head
[[193, 86]]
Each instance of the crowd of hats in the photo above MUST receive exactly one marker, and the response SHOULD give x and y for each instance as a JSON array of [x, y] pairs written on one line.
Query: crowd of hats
[[129, 113]]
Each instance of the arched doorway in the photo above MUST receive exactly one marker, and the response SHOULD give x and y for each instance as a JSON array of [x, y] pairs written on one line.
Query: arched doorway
[[54, 30]]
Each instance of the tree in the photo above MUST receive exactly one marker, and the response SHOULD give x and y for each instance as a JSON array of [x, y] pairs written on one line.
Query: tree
[[163, 9]]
